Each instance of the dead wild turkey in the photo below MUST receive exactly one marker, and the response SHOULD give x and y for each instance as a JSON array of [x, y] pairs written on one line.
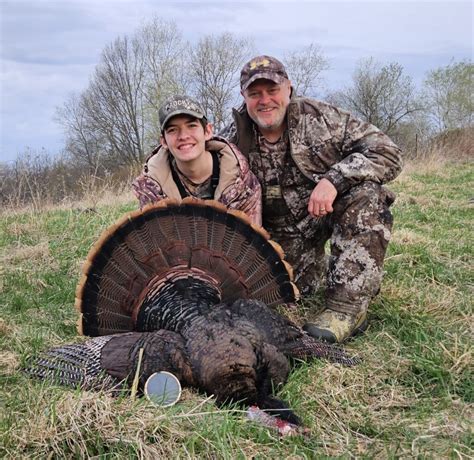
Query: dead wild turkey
[[189, 284], [237, 352]]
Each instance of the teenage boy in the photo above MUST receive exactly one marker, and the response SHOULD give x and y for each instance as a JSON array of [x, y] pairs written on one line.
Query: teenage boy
[[192, 162]]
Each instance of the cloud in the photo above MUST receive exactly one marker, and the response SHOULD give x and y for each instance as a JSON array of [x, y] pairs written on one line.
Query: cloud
[[50, 48]]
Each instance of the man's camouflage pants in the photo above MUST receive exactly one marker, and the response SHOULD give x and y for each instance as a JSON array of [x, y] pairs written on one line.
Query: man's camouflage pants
[[359, 230]]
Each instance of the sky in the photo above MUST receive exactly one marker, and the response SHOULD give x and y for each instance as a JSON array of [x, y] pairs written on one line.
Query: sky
[[49, 49]]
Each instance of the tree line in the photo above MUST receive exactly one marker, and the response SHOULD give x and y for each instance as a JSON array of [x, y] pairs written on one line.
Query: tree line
[[113, 122]]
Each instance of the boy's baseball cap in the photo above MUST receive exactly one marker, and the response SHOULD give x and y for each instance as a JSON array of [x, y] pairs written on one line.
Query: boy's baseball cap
[[179, 105]]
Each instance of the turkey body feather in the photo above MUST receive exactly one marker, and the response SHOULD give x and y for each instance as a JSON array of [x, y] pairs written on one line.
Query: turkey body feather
[[237, 352]]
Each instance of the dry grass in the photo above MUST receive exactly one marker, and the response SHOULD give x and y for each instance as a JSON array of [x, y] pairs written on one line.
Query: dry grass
[[433, 162], [455, 146], [77, 416], [72, 421], [9, 362], [39, 253], [93, 193], [108, 197]]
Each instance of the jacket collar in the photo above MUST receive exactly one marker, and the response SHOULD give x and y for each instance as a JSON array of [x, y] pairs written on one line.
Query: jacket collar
[[158, 167]]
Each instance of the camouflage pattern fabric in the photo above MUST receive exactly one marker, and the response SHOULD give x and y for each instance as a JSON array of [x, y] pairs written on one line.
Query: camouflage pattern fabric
[[272, 162], [307, 260], [357, 158], [202, 191], [266, 67], [361, 226]]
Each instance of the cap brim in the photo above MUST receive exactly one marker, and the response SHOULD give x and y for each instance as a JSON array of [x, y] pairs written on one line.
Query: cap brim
[[278, 79], [191, 113]]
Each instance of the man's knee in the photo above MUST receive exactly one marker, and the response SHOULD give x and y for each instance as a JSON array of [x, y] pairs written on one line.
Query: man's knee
[[364, 193], [365, 207]]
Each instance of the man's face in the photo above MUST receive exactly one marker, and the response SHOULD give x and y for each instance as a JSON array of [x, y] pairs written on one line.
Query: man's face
[[185, 137], [267, 102]]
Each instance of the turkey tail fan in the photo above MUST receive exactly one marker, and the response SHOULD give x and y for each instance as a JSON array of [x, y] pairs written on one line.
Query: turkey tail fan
[[150, 248]]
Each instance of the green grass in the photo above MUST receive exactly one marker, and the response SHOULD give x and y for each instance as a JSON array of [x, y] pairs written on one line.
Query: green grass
[[411, 397]]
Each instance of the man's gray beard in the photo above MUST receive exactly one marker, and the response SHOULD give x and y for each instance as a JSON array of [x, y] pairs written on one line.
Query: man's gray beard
[[275, 125]]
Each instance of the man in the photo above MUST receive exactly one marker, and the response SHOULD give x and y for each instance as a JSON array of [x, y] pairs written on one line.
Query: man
[[322, 172], [191, 162]]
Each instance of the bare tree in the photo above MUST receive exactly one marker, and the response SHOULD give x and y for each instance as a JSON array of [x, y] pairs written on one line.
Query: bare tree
[[107, 119], [84, 142], [449, 96], [381, 95], [115, 120], [34, 178], [115, 100], [304, 68], [215, 67], [413, 133], [166, 59]]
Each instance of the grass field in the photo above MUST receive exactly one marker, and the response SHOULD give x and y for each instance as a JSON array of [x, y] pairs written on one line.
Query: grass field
[[411, 397]]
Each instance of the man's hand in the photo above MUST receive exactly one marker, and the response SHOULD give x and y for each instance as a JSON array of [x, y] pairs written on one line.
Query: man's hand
[[322, 198]]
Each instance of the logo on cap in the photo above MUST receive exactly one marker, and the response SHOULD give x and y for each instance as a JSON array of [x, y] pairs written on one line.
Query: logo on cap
[[262, 63], [179, 105], [182, 104]]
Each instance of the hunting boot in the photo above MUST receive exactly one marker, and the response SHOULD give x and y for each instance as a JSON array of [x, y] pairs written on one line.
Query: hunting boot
[[335, 326]]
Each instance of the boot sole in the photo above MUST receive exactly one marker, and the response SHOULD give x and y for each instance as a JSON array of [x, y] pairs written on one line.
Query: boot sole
[[360, 329], [326, 335]]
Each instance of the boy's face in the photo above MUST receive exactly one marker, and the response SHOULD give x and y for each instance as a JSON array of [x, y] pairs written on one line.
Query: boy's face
[[185, 137]]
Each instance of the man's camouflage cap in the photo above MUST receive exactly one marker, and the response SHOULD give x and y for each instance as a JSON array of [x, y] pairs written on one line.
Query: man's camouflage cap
[[266, 67], [180, 105]]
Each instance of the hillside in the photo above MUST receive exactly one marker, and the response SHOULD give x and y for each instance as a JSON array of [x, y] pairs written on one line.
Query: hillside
[[412, 395]]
